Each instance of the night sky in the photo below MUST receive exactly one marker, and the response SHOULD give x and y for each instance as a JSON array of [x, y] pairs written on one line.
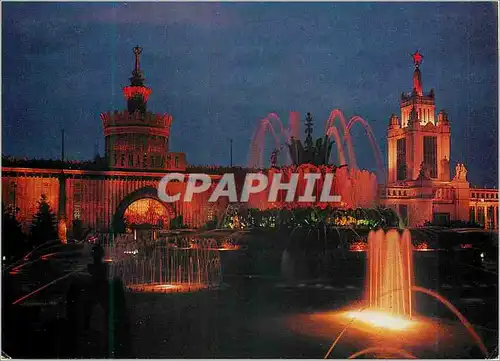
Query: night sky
[[218, 68]]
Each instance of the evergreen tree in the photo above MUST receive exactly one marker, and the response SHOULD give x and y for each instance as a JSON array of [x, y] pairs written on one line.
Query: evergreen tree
[[44, 224], [14, 244]]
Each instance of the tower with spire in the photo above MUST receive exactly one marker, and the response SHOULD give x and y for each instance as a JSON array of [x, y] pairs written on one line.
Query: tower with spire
[[422, 104], [418, 139], [137, 93], [136, 138]]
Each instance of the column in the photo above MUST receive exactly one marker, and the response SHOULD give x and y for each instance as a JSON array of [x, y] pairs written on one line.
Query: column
[[485, 210], [62, 227], [495, 218]]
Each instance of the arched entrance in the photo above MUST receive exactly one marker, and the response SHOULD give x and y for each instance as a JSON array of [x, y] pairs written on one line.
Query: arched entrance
[[145, 217], [142, 214]]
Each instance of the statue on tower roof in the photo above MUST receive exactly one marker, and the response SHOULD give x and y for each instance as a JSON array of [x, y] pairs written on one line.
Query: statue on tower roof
[[460, 173]]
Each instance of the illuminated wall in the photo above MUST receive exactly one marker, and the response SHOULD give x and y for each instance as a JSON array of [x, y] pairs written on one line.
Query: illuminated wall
[[139, 141], [94, 197], [23, 189]]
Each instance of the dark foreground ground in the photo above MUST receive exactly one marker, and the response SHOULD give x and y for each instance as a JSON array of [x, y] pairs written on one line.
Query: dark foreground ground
[[250, 318], [255, 313], [253, 321]]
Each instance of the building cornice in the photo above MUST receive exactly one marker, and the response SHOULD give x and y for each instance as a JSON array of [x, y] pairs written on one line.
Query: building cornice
[[79, 172]]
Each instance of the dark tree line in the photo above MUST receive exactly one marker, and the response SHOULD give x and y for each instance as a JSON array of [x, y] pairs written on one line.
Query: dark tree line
[[43, 228]]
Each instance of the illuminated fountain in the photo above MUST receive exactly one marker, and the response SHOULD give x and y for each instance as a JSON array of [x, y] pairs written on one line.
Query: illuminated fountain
[[389, 281], [272, 125], [176, 263], [332, 131], [390, 272], [167, 269], [282, 136], [357, 188], [389, 291], [386, 316]]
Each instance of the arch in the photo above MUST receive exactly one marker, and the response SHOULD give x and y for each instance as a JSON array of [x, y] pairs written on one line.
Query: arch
[[371, 137], [333, 131], [118, 223], [256, 153], [337, 114], [272, 124]]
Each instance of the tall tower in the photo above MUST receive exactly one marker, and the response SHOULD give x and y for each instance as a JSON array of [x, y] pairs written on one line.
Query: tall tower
[[418, 144], [137, 138], [422, 103]]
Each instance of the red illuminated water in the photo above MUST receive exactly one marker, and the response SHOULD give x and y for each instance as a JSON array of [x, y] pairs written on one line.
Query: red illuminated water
[[273, 126], [373, 142], [389, 295], [331, 130], [280, 137], [337, 114], [389, 276]]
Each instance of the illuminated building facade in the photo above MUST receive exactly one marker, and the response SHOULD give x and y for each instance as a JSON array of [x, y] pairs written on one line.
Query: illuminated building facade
[[419, 186], [137, 138], [119, 191]]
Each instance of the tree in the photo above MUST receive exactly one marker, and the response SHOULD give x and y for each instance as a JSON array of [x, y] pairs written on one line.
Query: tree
[[14, 240], [44, 224]]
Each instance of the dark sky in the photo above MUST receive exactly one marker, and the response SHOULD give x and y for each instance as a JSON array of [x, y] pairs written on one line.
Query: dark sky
[[219, 68]]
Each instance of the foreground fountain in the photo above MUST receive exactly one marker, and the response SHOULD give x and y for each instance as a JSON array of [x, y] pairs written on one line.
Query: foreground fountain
[[384, 322], [390, 272], [389, 281], [389, 291], [167, 269]]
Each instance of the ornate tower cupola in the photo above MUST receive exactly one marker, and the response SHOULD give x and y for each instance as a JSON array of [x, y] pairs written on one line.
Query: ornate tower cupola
[[421, 140], [416, 99], [135, 138], [137, 93], [417, 77]]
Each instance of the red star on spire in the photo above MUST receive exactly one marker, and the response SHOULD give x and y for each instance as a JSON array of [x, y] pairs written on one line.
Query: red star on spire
[[417, 58]]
